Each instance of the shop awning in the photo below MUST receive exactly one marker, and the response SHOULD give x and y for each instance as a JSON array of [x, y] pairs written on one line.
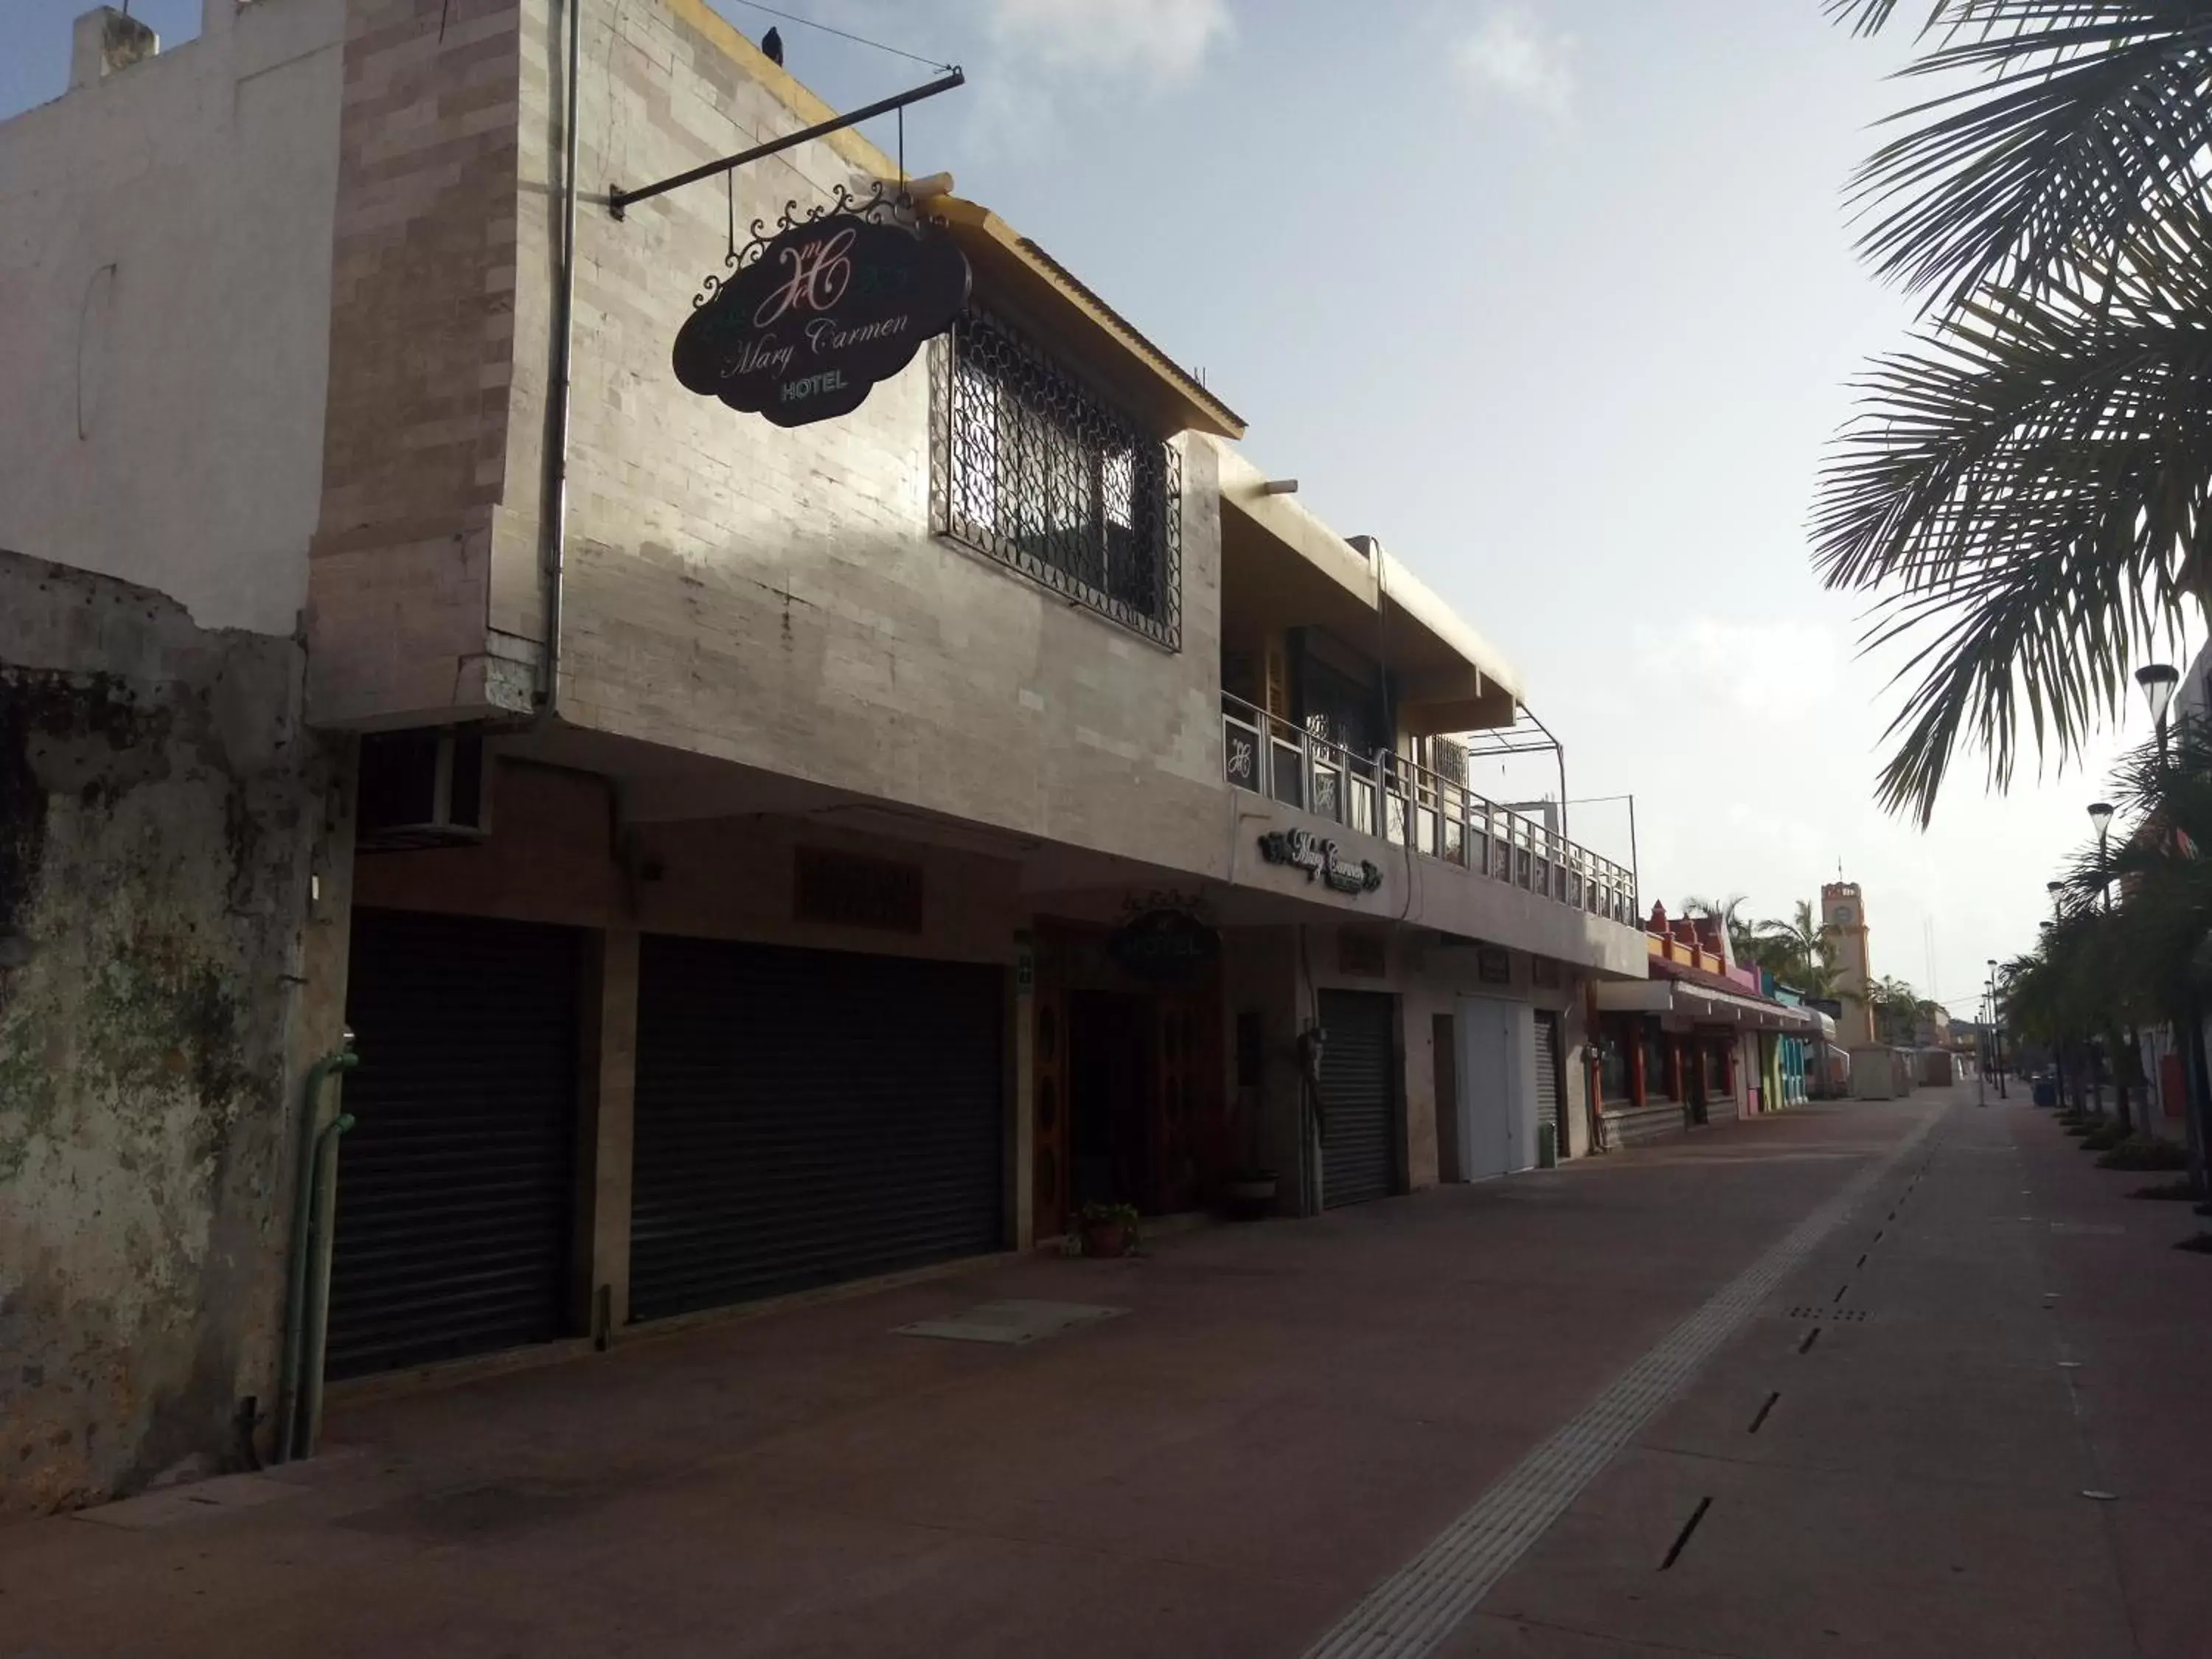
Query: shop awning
[[1706, 1003]]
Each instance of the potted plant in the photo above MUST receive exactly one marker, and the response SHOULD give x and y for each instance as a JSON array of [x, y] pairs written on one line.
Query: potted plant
[[1252, 1193], [1108, 1230]]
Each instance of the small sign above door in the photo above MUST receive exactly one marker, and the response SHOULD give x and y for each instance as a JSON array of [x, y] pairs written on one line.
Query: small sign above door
[[1163, 944], [1319, 859]]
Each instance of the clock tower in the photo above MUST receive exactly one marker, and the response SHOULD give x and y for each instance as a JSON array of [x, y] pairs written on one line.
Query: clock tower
[[1843, 919]]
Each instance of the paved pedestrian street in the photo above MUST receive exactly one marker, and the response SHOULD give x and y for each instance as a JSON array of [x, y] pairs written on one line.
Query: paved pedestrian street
[[1896, 1379]]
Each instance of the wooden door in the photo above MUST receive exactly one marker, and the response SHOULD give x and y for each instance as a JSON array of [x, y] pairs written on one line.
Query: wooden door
[[1177, 1131], [1193, 1135]]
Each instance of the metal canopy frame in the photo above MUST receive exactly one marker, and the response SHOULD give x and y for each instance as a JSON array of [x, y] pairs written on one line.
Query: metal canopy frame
[[1526, 736], [618, 200]]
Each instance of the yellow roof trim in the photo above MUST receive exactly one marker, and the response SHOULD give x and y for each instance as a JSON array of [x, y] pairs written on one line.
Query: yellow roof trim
[[981, 230]]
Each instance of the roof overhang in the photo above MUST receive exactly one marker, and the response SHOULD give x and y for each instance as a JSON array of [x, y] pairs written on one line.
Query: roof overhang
[[1662, 996], [1448, 677], [1443, 707], [1014, 273]]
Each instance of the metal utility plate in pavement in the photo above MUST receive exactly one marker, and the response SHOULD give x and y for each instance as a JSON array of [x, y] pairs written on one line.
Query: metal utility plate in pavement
[[1009, 1323]]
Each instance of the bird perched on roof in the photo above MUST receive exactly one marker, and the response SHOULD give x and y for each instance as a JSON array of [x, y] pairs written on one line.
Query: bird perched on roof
[[772, 46]]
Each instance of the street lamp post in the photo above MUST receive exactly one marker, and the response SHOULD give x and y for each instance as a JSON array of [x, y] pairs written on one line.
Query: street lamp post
[[1980, 1069], [2058, 892], [2159, 682], [1996, 1032], [2100, 814]]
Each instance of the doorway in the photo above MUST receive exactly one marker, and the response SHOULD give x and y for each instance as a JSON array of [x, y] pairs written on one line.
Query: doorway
[[1496, 1087], [1358, 1097], [1110, 1100]]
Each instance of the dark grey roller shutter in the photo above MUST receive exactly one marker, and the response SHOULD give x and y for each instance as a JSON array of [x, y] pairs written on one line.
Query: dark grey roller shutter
[[456, 1186], [1359, 1136], [808, 1116], [1547, 1070]]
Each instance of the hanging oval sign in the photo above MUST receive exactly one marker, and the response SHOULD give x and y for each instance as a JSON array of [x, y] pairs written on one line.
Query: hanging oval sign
[[1163, 944], [831, 306]]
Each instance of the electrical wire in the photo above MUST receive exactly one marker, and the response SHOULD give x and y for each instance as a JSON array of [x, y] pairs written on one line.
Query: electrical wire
[[858, 39]]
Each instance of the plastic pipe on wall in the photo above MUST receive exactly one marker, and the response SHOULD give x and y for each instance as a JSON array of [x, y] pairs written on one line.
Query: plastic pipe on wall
[[296, 1298], [316, 1326]]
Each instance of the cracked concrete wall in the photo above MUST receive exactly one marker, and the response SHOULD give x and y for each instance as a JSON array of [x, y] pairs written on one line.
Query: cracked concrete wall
[[164, 816]]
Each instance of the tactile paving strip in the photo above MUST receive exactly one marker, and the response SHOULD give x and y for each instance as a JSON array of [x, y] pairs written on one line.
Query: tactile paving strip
[[1409, 1612]]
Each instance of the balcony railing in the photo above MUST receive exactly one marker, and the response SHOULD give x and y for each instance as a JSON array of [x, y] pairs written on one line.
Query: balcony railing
[[1401, 802]]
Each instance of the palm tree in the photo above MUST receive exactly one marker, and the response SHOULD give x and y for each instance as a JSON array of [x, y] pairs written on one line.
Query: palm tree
[[1896, 1007], [2027, 489], [2155, 961], [2051, 996], [1801, 952]]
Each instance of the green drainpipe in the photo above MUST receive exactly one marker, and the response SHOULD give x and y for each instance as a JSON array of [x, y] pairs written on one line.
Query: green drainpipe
[[296, 1306], [316, 1323]]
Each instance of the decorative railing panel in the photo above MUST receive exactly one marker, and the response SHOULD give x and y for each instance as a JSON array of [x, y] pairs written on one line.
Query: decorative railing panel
[[1446, 820]]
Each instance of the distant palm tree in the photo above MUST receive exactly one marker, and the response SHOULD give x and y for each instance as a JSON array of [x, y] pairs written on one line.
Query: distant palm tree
[[1896, 1007], [2029, 488], [2148, 959], [1801, 952]]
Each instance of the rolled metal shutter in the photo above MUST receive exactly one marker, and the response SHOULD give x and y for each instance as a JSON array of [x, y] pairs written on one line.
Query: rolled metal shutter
[[457, 1183], [1359, 1125], [1547, 1072], [809, 1116]]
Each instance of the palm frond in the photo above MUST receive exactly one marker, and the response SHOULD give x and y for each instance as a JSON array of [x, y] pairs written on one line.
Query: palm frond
[[1870, 16], [2085, 121], [2030, 487]]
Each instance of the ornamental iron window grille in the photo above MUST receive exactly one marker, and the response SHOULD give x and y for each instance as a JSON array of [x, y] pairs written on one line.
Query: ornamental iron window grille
[[1032, 468]]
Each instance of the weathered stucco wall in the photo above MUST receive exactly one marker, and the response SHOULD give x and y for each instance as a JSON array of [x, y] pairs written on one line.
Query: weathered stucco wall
[[165, 256], [161, 813]]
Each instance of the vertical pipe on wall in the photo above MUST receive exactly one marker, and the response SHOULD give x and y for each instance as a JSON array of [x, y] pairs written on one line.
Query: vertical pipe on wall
[[554, 552], [308, 1416], [290, 1386]]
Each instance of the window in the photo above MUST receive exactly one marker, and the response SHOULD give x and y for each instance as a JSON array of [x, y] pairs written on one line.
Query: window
[[1362, 951], [1614, 1081], [1658, 1081], [847, 891], [1717, 1067], [1031, 467]]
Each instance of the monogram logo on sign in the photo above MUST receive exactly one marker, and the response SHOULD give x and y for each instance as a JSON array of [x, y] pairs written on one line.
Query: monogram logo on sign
[[820, 272]]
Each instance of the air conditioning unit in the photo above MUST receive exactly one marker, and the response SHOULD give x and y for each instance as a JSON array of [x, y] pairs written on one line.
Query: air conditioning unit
[[425, 787]]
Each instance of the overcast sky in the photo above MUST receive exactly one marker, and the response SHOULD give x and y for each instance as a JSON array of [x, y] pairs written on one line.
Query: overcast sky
[[1557, 298]]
